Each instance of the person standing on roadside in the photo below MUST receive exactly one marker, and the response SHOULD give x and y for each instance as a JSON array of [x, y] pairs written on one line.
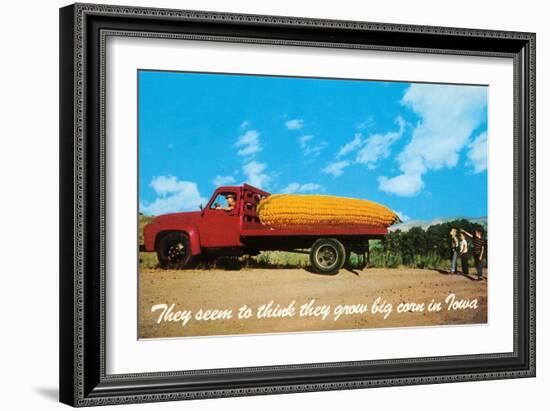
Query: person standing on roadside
[[464, 253], [479, 250], [454, 250]]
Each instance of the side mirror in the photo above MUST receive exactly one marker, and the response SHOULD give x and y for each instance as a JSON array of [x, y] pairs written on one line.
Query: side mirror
[[201, 207]]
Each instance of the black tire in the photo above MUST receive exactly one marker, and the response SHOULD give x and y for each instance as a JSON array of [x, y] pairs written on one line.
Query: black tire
[[327, 256], [174, 251]]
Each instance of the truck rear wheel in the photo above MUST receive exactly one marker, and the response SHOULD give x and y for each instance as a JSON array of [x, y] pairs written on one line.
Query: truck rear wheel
[[174, 251], [327, 255]]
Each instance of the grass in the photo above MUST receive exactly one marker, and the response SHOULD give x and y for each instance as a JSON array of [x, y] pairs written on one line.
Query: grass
[[387, 259], [148, 260], [266, 259], [279, 259], [143, 220], [284, 259]]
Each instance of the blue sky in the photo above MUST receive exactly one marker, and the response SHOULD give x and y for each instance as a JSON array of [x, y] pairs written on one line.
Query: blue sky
[[420, 149]]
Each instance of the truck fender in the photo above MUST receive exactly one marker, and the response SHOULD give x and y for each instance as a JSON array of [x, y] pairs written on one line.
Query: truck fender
[[194, 239], [191, 231]]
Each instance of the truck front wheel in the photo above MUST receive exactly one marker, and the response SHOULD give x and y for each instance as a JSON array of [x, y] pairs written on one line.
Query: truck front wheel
[[327, 255], [174, 251]]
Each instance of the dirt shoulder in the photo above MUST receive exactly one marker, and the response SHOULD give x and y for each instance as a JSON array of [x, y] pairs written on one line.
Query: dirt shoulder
[[193, 290]]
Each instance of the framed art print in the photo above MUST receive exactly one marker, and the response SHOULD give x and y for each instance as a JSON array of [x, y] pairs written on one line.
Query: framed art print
[[261, 204]]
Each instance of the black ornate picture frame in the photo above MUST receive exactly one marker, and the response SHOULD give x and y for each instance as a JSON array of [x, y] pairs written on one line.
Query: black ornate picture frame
[[83, 30]]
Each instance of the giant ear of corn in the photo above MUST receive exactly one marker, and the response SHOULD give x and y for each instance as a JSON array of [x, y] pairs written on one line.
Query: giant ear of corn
[[296, 210]]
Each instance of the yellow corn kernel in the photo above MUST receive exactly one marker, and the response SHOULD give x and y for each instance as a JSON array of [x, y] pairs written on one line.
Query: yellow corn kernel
[[292, 210]]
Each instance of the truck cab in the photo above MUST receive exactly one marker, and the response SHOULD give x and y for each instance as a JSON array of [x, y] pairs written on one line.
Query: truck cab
[[218, 225]]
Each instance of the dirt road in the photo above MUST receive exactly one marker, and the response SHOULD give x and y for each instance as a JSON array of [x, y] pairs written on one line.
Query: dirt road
[[193, 290]]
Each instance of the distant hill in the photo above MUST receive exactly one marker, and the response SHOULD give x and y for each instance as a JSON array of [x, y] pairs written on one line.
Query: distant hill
[[424, 224]]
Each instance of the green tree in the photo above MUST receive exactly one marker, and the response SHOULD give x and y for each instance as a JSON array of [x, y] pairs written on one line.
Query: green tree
[[419, 248]]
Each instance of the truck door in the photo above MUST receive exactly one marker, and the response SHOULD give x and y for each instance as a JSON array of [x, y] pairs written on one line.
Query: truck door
[[220, 222]]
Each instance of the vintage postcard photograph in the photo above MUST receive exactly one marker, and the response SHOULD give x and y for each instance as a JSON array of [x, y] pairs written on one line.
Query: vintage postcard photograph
[[273, 204]]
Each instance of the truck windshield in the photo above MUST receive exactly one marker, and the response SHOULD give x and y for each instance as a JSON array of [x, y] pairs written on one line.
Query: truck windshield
[[224, 201]]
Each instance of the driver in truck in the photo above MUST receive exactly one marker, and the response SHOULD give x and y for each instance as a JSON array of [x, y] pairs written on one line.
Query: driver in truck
[[230, 199]]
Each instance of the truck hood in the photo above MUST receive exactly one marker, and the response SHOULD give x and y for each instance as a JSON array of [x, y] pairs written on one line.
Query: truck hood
[[184, 216]]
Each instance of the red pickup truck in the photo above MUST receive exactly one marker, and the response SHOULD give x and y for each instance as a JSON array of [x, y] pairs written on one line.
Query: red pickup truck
[[179, 238]]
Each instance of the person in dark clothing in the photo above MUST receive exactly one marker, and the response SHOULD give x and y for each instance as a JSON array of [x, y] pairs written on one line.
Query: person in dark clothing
[[464, 254], [479, 250]]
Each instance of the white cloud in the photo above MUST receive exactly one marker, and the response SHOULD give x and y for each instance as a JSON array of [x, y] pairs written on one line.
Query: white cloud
[[295, 124], [304, 139], [378, 146], [477, 154], [291, 188], [309, 148], [405, 185], [173, 195], [223, 180], [255, 174], [449, 114], [310, 187], [302, 188], [351, 146], [369, 150], [244, 124], [404, 217], [369, 122], [254, 171], [164, 185], [250, 143], [315, 149], [336, 169]]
